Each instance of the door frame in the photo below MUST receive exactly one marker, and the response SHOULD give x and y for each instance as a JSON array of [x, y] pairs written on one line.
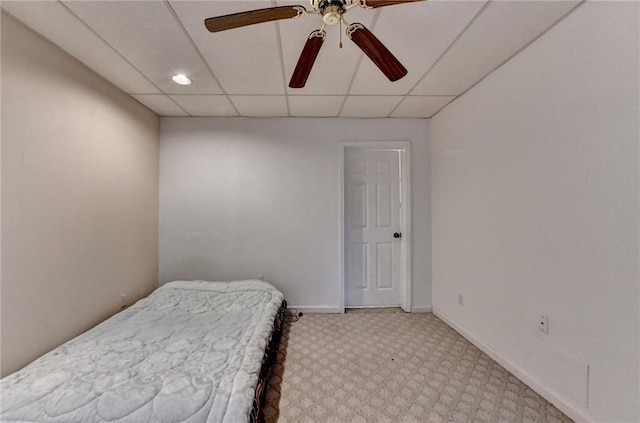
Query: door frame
[[405, 214]]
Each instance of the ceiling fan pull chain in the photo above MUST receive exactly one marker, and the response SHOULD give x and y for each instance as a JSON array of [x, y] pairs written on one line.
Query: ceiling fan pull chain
[[340, 33]]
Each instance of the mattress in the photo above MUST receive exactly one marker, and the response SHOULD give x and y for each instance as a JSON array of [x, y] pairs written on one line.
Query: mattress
[[189, 352]]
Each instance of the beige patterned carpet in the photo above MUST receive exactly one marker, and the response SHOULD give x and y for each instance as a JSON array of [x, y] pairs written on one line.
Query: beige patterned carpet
[[387, 366]]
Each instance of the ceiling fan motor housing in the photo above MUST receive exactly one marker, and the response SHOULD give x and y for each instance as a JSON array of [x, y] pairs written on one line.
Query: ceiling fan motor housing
[[318, 5], [331, 10]]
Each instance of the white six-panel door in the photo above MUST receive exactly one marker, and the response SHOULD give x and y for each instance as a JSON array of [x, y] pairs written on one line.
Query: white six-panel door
[[372, 217]]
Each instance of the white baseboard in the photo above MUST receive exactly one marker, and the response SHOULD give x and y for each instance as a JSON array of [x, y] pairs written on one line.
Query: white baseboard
[[565, 405], [334, 309], [316, 309], [420, 309]]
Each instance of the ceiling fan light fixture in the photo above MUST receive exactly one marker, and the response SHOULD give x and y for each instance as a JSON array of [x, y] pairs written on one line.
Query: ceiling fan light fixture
[[332, 14], [181, 79]]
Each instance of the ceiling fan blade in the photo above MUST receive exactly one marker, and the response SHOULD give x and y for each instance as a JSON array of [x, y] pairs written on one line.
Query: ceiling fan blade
[[307, 58], [372, 4], [377, 52], [237, 20]]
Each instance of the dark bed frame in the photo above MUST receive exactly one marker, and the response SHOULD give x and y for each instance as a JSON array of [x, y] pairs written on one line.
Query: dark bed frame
[[269, 359]]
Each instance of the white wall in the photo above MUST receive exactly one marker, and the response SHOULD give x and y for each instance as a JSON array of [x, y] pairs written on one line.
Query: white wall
[[245, 197], [79, 197], [535, 211]]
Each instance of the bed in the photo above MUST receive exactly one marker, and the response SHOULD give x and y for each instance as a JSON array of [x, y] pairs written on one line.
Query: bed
[[191, 352]]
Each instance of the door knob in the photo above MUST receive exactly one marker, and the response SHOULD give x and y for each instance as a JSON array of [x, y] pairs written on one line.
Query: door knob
[[397, 235]]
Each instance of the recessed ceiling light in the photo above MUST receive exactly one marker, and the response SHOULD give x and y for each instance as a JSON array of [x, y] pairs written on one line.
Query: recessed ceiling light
[[181, 79]]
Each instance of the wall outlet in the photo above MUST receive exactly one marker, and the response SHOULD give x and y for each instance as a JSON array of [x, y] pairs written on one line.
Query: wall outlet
[[460, 299], [543, 324]]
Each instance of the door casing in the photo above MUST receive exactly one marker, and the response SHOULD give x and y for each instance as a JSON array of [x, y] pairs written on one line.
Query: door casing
[[405, 214]]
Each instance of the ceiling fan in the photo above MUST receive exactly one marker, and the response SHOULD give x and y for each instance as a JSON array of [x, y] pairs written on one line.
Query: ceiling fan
[[332, 12]]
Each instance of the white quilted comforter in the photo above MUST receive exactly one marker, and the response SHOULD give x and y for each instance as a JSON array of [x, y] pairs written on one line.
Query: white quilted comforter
[[189, 352]]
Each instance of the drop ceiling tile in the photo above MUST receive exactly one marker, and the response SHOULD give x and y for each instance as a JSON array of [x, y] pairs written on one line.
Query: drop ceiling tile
[[369, 106], [260, 105], [245, 60], [421, 106], [54, 21], [148, 35], [161, 104], [205, 105], [334, 67], [417, 34], [315, 106], [502, 29]]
